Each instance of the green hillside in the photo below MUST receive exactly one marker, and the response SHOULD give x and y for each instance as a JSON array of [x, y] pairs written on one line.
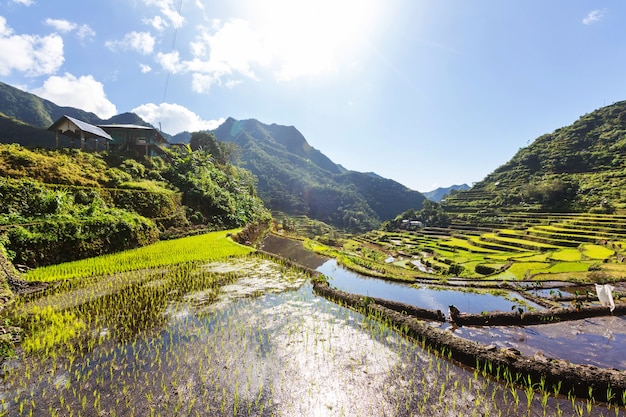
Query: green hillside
[[577, 168], [63, 205], [555, 211], [298, 179]]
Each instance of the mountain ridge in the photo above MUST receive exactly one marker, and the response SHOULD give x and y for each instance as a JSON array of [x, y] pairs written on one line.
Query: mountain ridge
[[438, 193], [296, 178], [576, 168], [293, 176]]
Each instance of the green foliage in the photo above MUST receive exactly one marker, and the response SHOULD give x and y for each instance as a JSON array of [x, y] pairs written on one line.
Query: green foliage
[[297, 179], [201, 248], [59, 206], [224, 198], [58, 240], [431, 215]]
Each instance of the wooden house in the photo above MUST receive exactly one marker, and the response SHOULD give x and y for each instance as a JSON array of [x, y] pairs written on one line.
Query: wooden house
[[142, 140], [78, 130]]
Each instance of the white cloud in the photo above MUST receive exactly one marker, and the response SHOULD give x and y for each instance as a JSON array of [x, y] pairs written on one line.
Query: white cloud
[[24, 2], [170, 62], [145, 68], [30, 54], [142, 42], [85, 32], [220, 58], [168, 10], [61, 25], [594, 16], [84, 93], [156, 22], [289, 39], [174, 118]]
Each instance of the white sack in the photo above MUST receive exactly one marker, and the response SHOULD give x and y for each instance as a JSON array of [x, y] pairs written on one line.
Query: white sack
[[605, 295]]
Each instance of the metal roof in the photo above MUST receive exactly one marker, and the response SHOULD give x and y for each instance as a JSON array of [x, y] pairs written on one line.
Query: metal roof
[[127, 127], [88, 130], [135, 127]]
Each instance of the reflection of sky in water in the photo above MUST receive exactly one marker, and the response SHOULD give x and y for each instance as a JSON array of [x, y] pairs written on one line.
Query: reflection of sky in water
[[598, 341], [271, 350], [467, 302]]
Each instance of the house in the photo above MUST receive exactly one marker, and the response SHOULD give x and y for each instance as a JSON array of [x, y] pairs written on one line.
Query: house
[[79, 130], [142, 140], [411, 224]]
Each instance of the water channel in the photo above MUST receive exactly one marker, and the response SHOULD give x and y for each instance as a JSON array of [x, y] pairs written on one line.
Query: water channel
[[600, 341], [261, 344]]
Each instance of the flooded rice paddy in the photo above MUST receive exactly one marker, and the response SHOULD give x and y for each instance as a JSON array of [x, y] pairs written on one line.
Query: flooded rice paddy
[[244, 337], [598, 341], [424, 297]]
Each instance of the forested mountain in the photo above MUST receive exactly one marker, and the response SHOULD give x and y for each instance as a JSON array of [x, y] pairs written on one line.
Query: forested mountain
[[24, 117], [580, 167], [296, 178], [293, 177]]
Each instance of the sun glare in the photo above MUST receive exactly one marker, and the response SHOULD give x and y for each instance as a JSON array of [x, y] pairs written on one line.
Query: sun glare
[[313, 37]]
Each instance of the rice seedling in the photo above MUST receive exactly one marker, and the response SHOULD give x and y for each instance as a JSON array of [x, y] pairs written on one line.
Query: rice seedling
[[190, 338]]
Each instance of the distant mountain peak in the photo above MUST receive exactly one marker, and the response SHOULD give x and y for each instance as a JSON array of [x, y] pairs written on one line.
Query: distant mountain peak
[[439, 193]]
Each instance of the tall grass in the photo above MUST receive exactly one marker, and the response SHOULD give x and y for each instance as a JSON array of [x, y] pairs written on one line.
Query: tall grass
[[207, 247]]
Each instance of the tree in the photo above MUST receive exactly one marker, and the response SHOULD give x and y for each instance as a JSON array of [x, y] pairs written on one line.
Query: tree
[[222, 152], [207, 142]]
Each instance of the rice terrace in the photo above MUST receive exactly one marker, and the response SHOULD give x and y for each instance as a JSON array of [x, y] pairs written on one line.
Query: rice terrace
[[204, 326], [241, 272]]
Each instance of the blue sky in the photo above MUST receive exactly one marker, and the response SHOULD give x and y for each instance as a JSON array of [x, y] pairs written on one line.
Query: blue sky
[[427, 92]]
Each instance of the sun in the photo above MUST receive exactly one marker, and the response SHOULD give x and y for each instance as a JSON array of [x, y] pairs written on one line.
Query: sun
[[310, 37]]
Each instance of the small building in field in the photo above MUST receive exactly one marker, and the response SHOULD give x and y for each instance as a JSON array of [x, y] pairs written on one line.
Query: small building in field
[[142, 140], [78, 130]]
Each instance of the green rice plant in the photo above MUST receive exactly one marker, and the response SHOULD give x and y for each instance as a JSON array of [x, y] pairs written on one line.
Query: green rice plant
[[568, 267], [50, 328], [521, 270], [206, 247], [597, 251], [566, 255]]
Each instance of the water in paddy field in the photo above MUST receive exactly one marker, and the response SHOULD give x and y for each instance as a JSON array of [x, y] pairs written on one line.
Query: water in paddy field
[[430, 298], [598, 341], [262, 345]]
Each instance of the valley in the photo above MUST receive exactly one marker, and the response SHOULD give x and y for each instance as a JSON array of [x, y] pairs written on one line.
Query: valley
[[243, 272]]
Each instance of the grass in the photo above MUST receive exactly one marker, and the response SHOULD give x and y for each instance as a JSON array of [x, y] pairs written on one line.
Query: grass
[[569, 267], [206, 247]]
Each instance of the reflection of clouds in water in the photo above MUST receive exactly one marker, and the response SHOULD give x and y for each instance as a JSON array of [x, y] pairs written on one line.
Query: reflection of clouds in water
[[328, 362]]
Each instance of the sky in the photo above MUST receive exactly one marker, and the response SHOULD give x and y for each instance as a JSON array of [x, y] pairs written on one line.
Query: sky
[[429, 93]]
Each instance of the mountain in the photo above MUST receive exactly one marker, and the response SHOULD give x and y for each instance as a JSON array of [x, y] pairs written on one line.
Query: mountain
[[437, 194], [25, 117], [293, 177], [577, 168], [296, 178]]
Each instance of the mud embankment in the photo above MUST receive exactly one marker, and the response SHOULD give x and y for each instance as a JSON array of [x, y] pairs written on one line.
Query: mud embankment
[[572, 379], [536, 317]]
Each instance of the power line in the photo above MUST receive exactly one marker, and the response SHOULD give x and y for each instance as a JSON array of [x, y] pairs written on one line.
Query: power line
[[167, 77]]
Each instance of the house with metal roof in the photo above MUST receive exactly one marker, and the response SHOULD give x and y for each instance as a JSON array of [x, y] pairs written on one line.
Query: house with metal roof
[[78, 130], [142, 140]]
